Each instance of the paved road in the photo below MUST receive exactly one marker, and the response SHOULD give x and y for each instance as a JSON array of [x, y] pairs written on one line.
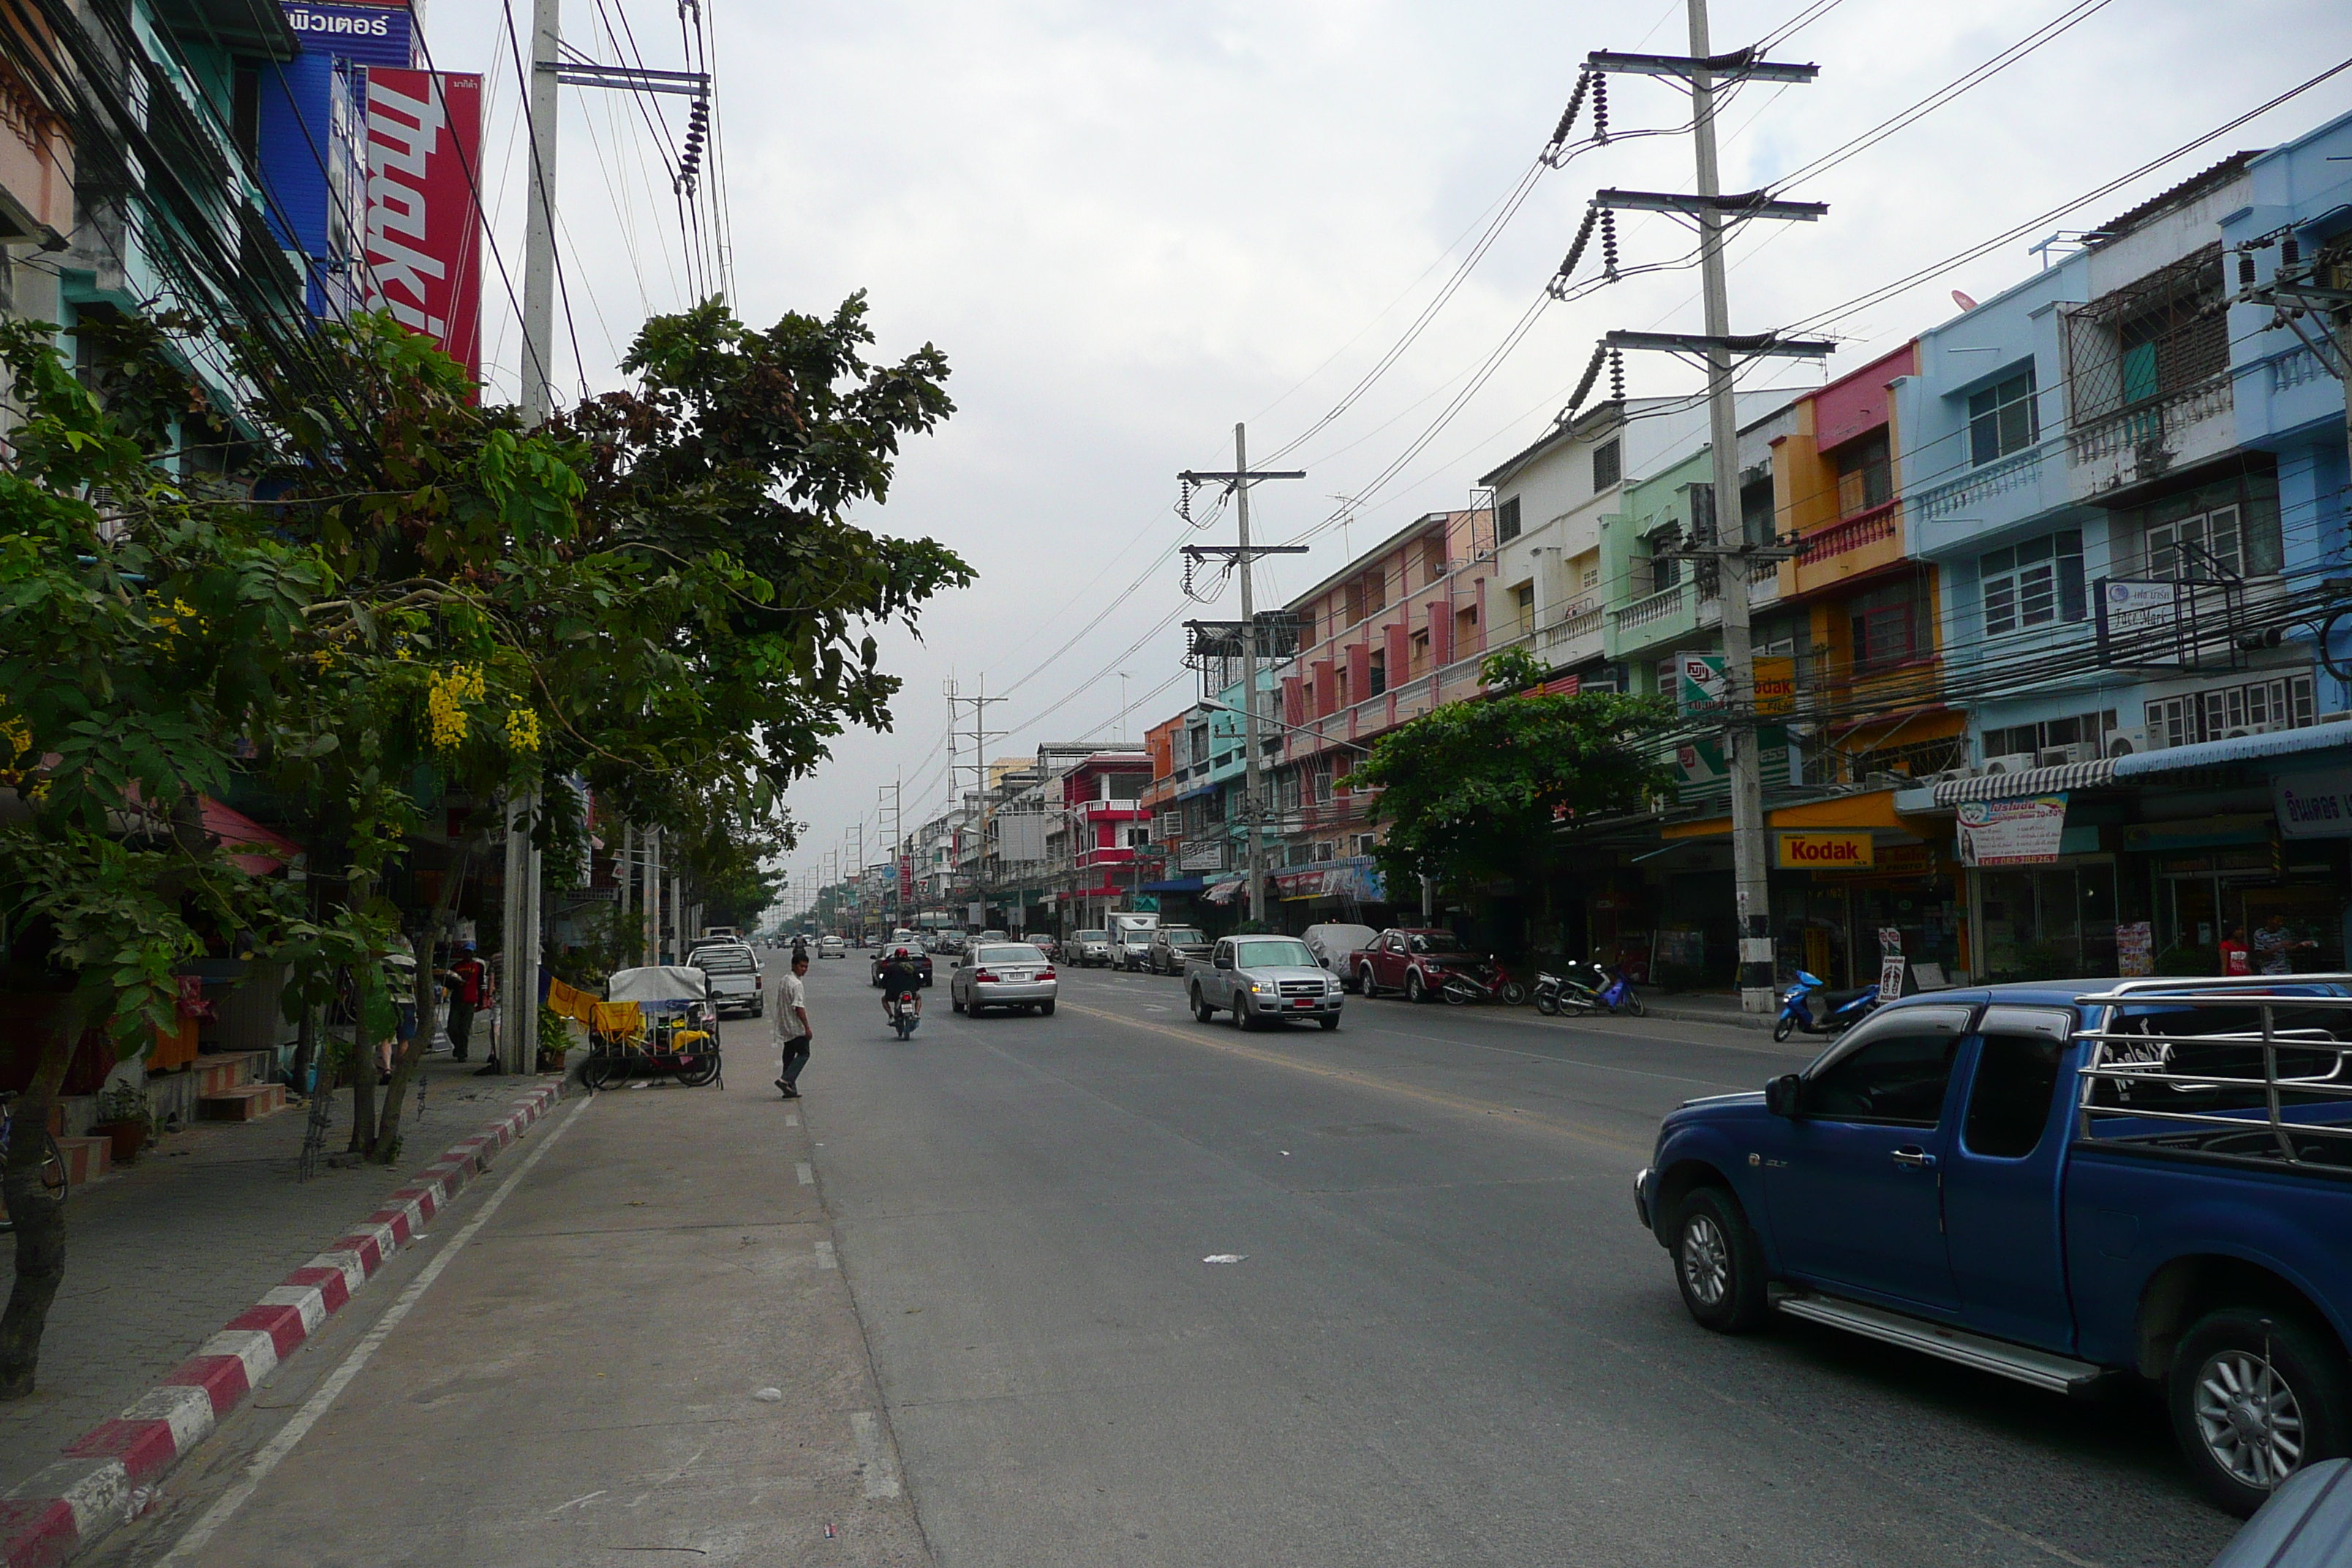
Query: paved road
[[1446, 1341]]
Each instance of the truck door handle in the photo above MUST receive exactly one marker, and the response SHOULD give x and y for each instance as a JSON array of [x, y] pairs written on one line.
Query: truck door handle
[[1912, 1155]]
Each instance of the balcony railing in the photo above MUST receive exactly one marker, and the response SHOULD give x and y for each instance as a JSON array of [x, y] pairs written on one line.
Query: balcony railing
[[1849, 534], [2015, 472], [1655, 607], [2161, 424], [1580, 619]]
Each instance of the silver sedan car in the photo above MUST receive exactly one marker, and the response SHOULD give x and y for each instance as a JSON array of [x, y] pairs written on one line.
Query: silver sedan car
[[1014, 975]]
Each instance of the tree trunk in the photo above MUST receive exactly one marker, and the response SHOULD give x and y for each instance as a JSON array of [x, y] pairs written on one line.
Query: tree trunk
[[405, 1063], [39, 1218]]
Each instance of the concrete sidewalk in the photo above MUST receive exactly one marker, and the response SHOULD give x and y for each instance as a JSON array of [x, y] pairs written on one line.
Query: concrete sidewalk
[[163, 1252], [1702, 1007]]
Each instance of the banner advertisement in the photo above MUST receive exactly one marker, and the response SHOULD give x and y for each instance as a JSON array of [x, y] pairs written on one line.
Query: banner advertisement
[[2315, 805], [423, 240], [2135, 948], [1891, 969], [372, 34], [1701, 762], [1698, 683], [2012, 832], [1833, 851], [1776, 686], [1202, 855]]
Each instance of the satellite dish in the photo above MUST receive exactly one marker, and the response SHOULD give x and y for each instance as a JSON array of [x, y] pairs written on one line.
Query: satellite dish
[[1962, 300]]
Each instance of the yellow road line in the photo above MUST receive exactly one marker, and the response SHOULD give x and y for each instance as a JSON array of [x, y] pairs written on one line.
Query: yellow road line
[[1377, 1085]]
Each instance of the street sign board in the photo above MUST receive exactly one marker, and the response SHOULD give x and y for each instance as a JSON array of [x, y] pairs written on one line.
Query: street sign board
[[1699, 686], [1839, 850], [2012, 832]]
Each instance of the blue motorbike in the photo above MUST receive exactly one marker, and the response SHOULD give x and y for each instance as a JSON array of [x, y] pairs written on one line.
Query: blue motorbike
[[1846, 1008]]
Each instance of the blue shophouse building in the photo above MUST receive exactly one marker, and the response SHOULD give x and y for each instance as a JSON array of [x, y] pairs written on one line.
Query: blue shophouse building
[[2133, 488]]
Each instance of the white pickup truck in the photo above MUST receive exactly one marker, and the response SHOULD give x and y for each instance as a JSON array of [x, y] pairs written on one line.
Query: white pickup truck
[[1257, 980]]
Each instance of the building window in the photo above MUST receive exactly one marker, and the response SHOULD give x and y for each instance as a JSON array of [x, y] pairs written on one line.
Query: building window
[[1523, 600], [1665, 569], [1323, 849], [1608, 465], [1323, 786], [1866, 471], [2283, 702], [2229, 528], [1378, 667], [1363, 844], [2151, 340], [2033, 583], [2002, 419], [1889, 627], [2088, 729], [2204, 547], [1507, 521]]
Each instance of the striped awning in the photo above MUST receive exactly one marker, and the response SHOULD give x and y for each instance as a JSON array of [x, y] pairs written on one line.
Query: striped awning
[[2027, 781]]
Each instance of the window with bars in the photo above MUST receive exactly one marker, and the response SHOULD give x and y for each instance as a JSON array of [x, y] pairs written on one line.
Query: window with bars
[[2281, 702], [1507, 521], [1889, 627], [2033, 583], [2002, 419], [2157, 337], [2226, 527], [1608, 465]]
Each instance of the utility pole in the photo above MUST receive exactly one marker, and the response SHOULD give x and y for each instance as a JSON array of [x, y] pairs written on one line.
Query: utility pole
[[896, 791], [1240, 480], [981, 735], [1714, 213]]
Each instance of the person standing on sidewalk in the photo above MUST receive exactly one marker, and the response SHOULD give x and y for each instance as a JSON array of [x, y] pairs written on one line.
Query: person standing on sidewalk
[[469, 986], [792, 1032]]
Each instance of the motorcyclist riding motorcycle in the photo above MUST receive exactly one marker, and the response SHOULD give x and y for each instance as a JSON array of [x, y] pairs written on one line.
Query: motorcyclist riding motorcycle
[[900, 978]]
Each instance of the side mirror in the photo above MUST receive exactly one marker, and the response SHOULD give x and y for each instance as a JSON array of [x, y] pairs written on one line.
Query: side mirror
[[1784, 1094], [1222, 961]]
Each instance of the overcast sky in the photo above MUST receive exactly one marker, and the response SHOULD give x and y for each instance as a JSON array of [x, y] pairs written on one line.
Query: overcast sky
[[1129, 226]]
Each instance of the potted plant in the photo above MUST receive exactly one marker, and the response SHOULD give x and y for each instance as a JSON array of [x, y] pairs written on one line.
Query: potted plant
[[124, 1120]]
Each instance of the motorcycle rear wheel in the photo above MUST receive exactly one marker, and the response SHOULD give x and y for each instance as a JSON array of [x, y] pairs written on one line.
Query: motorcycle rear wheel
[[1547, 1004], [1514, 993], [1633, 1003]]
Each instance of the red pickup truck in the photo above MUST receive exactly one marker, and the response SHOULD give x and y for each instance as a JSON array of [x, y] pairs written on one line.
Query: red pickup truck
[[1414, 961]]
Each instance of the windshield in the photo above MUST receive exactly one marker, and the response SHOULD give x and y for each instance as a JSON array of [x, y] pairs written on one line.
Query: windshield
[[1437, 941], [1270, 951], [1179, 935], [1094, 936], [1021, 953]]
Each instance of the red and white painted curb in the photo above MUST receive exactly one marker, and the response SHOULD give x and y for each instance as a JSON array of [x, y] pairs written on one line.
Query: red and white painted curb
[[104, 1480]]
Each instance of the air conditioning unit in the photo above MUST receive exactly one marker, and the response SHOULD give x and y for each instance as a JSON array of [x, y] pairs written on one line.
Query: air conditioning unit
[[2061, 756], [2013, 763], [2125, 742]]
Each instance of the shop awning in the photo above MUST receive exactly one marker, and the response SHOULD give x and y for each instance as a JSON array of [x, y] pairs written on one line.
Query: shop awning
[[1177, 885], [2031, 781], [1355, 877], [254, 849], [1225, 892], [1867, 808], [2236, 749]]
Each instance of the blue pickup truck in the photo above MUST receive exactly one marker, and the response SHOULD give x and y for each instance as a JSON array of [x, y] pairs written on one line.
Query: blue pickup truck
[[2065, 1183]]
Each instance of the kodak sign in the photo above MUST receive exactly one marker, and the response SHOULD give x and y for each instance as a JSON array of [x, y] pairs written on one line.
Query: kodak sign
[[1826, 852]]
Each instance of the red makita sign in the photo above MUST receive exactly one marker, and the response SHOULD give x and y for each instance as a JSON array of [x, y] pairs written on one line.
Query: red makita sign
[[424, 224]]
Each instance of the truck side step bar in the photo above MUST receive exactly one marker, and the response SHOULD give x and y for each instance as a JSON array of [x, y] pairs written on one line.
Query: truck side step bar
[[2058, 1373]]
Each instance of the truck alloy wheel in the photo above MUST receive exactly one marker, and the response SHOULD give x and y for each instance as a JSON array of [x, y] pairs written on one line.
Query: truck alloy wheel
[[2256, 1394], [1201, 1009], [1415, 991], [1717, 1263]]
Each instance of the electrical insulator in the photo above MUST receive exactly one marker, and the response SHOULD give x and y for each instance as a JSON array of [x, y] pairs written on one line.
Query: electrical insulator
[[2289, 251], [1576, 251], [1600, 110], [1616, 377], [2245, 270], [1609, 244]]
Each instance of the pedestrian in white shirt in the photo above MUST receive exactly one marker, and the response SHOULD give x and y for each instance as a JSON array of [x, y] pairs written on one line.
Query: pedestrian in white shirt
[[793, 1031]]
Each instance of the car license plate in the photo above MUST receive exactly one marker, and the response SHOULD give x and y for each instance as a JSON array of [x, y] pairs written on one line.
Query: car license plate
[[1304, 1002], [1020, 974]]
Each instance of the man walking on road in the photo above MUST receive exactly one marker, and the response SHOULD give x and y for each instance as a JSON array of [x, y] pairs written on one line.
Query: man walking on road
[[793, 1031]]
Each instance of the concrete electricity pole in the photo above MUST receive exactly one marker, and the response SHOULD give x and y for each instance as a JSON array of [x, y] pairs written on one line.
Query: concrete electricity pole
[[1714, 213], [1241, 554]]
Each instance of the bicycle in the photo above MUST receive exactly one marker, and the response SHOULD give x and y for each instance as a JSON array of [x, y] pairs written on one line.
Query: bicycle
[[53, 1164]]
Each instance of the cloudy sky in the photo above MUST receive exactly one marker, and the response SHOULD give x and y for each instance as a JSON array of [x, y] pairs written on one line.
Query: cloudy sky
[[1131, 225]]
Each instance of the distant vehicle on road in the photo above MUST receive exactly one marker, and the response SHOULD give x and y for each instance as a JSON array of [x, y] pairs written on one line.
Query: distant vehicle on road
[[721, 933], [1130, 938], [735, 978], [914, 956], [1015, 975], [832, 947], [2062, 1187], [1090, 948], [1417, 961], [992, 936], [1173, 947], [1334, 944], [1260, 980]]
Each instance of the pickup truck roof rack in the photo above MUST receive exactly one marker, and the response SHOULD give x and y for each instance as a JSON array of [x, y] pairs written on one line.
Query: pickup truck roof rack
[[2229, 1078]]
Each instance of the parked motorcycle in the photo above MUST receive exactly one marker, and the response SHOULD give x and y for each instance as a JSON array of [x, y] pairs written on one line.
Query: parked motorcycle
[[1846, 1008], [1461, 989], [905, 1012], [1591, 988]]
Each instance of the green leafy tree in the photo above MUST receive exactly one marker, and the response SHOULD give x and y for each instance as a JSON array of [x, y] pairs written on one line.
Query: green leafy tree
[[1480, 790]]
